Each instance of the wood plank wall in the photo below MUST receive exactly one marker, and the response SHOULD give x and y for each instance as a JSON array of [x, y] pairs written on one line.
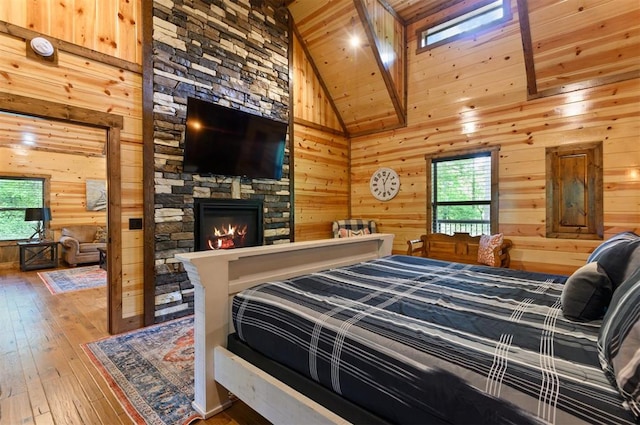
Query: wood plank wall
[[473, 93], [575, 42], [321, 182], [113, 28], [321, 155]]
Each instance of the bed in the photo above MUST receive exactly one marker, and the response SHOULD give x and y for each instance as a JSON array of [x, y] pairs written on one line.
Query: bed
[[472, 344]]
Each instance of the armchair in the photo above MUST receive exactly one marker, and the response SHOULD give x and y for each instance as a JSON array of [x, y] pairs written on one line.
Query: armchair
[[353, 227], [80, 244]]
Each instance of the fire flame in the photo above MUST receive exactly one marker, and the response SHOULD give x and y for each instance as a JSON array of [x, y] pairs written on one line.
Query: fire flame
[[226, 238], [231, 230]]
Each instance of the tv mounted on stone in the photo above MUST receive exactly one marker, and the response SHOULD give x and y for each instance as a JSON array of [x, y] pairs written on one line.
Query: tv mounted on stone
[[231, 142]]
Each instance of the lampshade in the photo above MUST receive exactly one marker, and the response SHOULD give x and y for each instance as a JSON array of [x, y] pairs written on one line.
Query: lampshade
[[37, 214]]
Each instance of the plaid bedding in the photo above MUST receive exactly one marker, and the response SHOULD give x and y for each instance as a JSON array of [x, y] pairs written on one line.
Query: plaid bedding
[[410, 338]]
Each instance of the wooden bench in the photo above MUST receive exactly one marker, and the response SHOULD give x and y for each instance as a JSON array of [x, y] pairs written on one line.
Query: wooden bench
[[459, 247]]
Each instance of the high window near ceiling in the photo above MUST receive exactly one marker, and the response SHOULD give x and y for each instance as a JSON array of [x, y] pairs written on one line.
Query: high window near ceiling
[[16, 195], [463, 192], [482, 16]]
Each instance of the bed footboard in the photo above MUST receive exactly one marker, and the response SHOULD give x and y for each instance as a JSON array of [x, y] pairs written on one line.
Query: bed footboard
[[218, 275], [273, 399]]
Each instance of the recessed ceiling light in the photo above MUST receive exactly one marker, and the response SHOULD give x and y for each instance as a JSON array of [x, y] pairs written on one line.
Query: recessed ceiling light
[[28, 138], [355, 41]]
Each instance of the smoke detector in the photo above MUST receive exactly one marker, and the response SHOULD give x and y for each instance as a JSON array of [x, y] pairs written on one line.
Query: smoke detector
[[42, 46]]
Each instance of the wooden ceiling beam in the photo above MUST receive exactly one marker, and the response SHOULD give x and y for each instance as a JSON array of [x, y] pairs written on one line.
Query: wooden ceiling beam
[[386, 76]]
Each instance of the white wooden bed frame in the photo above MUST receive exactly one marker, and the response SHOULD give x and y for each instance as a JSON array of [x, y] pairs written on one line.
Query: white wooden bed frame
[[217, 276]]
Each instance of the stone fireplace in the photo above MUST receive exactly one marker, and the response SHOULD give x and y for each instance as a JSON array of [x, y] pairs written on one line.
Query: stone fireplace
[[227, 223], [229, 52]]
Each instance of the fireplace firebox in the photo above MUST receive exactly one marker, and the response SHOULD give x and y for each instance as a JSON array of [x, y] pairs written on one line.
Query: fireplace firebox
[[227, 223]]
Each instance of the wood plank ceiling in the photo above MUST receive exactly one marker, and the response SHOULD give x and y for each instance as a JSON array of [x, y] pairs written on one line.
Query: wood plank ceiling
[[413, 10], [365, 82], [20, 132], [568, 46]]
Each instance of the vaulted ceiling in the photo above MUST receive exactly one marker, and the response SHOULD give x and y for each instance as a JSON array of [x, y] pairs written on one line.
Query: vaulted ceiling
[[566, 47], [365, 81], [412, 10]]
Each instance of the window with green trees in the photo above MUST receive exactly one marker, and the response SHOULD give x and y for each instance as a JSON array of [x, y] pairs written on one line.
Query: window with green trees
[[17, 194], [463, 192]]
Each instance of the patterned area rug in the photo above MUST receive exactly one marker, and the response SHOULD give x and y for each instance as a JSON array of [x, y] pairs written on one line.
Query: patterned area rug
[[150, 371], [65, 280]]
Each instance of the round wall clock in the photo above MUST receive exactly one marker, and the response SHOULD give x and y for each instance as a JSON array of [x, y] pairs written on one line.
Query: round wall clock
[[384, 184]]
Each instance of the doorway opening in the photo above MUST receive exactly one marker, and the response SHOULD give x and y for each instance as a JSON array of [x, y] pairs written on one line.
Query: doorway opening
[[112, 124]]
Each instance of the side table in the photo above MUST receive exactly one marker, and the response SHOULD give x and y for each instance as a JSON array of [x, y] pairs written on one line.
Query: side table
[[38, 255], [102, 259]]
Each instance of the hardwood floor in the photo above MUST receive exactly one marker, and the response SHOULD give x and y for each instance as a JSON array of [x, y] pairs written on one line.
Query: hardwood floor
[[45, 377]]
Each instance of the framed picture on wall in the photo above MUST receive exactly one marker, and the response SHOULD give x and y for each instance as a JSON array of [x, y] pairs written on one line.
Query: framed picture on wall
[[96, 195]]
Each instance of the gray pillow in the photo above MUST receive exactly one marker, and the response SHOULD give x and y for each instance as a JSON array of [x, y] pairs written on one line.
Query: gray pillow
[[611, 242], [586, 293], [619, 342], [620, 261]]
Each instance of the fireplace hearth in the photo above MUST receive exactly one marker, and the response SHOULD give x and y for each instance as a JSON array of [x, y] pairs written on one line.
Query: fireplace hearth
[[227, 223]]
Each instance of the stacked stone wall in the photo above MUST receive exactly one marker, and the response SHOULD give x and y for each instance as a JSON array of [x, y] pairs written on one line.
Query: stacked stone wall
[[233, 53]]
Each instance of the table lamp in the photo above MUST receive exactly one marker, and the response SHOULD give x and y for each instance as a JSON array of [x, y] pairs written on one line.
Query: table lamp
[[41, 215]]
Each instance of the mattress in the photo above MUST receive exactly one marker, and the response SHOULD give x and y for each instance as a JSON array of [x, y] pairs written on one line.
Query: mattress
[[410, 338]]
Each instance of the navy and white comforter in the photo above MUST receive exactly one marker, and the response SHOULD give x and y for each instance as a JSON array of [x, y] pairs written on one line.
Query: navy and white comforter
[[410, 338]]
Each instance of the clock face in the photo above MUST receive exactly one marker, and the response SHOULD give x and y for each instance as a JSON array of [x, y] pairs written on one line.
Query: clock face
[[384, 184]]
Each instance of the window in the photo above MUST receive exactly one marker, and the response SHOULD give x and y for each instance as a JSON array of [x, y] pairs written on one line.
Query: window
[[574, 191], [463, 190], [17, 194], [484, 15]]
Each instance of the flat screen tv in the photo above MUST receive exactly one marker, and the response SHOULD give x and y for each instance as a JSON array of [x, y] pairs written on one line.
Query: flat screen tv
[[230, 142]]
